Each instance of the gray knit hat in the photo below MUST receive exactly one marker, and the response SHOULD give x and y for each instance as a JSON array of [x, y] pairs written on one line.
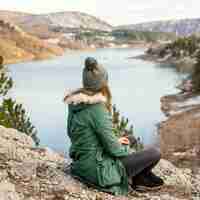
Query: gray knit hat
[[95, 76]]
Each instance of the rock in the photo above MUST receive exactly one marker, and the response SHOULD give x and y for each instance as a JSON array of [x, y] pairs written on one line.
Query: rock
[[179, 134], [174, 176], [185, 64], [29, 173], [8, 192], [18, 45], [180, 140]]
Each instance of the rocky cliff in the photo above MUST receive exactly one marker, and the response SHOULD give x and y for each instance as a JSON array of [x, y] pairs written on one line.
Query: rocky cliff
[[17, 45], [29, 173], [181, 53], [179, 134]]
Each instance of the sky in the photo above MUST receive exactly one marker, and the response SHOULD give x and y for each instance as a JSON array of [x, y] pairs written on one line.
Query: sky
[[115, 12]]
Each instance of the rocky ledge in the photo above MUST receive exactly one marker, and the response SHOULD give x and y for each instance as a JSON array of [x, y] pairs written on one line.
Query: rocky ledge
[[155, 54], [179, 133], [29, 173]]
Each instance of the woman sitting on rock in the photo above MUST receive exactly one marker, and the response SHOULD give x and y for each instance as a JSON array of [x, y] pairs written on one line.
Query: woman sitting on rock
[[99, 157]]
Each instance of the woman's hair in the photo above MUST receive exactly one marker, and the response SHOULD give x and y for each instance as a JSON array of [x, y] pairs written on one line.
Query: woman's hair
[[105, 91]]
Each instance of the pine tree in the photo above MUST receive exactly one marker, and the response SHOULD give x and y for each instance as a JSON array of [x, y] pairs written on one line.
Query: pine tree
[[120, 128], [196, 75], [6, 82], [12, 114]]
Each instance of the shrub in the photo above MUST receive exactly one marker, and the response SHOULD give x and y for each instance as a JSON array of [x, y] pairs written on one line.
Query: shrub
[[12, 114], [120, 128], [196, 75], [6, 82]]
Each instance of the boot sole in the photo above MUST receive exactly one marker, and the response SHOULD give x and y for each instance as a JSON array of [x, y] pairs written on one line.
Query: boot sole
[[140, 188]]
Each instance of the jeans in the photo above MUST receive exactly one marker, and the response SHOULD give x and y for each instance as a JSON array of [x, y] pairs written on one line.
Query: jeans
[[141, 162]]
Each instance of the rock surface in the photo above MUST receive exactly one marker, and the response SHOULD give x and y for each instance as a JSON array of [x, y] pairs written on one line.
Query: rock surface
[[29, 173], [179, 134]]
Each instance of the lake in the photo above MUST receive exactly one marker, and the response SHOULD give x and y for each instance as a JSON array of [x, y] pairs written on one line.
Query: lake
[[136, 88]]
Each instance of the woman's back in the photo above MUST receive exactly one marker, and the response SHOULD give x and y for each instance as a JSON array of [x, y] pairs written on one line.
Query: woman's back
[[82, 125], [94, 146]]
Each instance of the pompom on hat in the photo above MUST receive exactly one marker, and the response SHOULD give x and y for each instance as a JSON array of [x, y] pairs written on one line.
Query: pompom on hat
[[94, 75]]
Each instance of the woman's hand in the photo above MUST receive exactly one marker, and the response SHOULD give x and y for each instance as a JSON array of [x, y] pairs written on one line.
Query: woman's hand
[[124, 140]]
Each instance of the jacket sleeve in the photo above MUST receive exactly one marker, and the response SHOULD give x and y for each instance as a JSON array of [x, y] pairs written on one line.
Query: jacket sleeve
[[102, 122]]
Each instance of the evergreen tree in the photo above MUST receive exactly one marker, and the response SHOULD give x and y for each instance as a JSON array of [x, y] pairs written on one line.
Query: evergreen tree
[[196, 75], [6, 82], [120, 128], [12, 114]]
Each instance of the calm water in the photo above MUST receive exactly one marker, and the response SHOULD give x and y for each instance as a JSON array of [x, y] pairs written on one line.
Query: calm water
[[136, 86]]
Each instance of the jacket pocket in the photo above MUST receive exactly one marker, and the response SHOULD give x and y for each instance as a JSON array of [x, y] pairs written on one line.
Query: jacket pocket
[[108, 173]]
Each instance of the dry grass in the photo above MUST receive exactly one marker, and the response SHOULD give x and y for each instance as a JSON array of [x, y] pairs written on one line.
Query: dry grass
[[16, 45]]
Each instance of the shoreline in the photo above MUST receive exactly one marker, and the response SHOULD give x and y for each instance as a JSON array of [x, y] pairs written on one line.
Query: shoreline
[[23, 60], [179, 132], [183, 65]]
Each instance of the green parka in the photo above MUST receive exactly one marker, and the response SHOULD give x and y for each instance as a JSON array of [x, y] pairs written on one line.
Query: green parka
[[94, 148]]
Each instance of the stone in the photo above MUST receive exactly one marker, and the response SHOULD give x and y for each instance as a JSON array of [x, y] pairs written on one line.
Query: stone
[[173, 175], [30, 173], [7, 191]]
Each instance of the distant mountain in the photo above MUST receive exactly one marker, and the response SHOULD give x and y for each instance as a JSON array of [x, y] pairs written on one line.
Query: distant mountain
[[68, 19], [183, 27], [129, 35], [34, 23]]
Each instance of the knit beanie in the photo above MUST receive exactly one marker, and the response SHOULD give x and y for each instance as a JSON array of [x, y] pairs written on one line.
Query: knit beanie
[[95, 76]]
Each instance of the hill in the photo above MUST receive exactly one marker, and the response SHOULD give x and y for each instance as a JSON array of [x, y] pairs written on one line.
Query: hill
[[44, 25], [123, 35], [17, 45], [183, 27]]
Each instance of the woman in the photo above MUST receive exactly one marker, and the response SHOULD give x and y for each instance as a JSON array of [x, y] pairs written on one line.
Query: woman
[[99, 158]]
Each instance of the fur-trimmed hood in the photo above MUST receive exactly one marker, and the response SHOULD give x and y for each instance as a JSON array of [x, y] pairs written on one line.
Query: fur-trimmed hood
[[73, 98]]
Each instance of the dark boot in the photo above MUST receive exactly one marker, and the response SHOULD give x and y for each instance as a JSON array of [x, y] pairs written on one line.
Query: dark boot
[[155, 179], [149, 180]]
